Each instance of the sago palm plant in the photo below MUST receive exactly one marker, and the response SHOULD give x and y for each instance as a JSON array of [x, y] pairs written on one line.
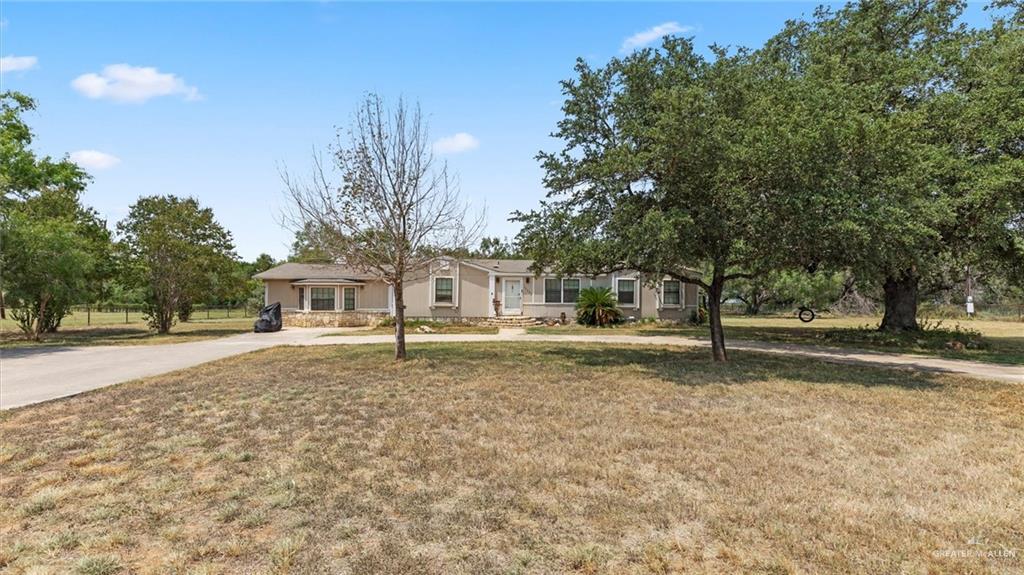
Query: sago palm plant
[[597, 306]]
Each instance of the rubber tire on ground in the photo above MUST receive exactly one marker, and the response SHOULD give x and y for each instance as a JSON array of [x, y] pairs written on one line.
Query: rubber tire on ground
[[806, 315]]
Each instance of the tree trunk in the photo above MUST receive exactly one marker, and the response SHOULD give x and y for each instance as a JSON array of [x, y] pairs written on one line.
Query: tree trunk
[[399, 321], [715, 318], [900, 303], [754, 305], [37, 329], [166, 316]]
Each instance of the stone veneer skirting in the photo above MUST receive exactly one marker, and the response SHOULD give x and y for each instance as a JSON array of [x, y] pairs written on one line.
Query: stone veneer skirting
[[332, 318]]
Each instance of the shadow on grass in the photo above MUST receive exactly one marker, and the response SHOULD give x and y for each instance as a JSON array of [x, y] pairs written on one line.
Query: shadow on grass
[[681, 366], [1001, 349], [694, 367]]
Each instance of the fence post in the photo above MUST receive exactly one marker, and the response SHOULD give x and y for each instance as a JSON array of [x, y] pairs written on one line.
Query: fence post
[[207, 312], [229, 312], [126, 315], [88, 315]]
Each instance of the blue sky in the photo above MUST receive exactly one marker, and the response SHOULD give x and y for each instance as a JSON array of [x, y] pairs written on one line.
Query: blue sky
[[240, 89]]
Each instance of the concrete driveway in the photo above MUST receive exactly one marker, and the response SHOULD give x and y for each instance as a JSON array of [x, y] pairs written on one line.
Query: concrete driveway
[[32, 375]]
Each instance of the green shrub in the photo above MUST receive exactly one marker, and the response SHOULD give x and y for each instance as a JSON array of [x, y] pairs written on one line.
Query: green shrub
[[597, 306]]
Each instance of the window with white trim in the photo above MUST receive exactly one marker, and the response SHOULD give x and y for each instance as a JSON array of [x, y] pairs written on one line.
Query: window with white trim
[[565, 290], [626, 289], [321, 298], [302, 298], [671, 290], [348, 299], [444, 290], [552, 290], [570, 290]]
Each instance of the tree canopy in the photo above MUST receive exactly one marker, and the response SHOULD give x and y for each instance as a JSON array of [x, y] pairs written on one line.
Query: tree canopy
[[180, 254], [668, 168], [882, 137], [55, 251], [927, 162]]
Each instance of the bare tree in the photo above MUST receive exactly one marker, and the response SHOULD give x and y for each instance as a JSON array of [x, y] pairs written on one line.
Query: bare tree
[[394, 210]]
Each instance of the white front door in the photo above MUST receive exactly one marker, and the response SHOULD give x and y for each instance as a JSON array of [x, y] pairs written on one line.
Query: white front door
[[512, 302]]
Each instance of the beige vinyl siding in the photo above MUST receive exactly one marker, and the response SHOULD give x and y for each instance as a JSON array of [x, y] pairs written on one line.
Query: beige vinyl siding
[[534, 304], [691, 294], [474, 294], [549, 310], [416, 294], [650, 300], [282, 291], [419, 294], [373, 295]]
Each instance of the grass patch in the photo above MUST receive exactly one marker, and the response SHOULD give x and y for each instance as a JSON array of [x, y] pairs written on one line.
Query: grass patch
[[977, 340], [519, 458], [98, 566], [131, 334]]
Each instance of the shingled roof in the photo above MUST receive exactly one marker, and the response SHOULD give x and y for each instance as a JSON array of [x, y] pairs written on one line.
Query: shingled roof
[[295, 271], [334, 272]]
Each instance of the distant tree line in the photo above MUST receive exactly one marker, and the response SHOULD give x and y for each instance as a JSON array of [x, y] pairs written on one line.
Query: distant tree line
[[169, 254]]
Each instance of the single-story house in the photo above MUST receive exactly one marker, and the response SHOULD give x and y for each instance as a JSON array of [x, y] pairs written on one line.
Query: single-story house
[[467, 290]]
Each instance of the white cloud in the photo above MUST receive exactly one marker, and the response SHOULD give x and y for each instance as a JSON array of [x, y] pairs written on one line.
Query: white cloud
[[461, 142], [94, 160], [16, 63], [124, 83], [641, 39]]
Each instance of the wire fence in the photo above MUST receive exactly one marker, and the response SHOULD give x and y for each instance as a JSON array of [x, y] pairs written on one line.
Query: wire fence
[[129, 313], [124, 314]]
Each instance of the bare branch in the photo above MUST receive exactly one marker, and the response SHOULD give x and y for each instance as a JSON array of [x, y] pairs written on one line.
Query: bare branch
[[382, 205]]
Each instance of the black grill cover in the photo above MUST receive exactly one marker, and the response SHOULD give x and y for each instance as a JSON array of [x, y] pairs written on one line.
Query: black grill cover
[[270, 319]]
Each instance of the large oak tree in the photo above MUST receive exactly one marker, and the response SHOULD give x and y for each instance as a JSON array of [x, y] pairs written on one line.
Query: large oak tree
[[671, 167], [928, 174]]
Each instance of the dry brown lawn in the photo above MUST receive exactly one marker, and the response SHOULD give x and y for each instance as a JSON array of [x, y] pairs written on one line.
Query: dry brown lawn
[[524, 458]]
